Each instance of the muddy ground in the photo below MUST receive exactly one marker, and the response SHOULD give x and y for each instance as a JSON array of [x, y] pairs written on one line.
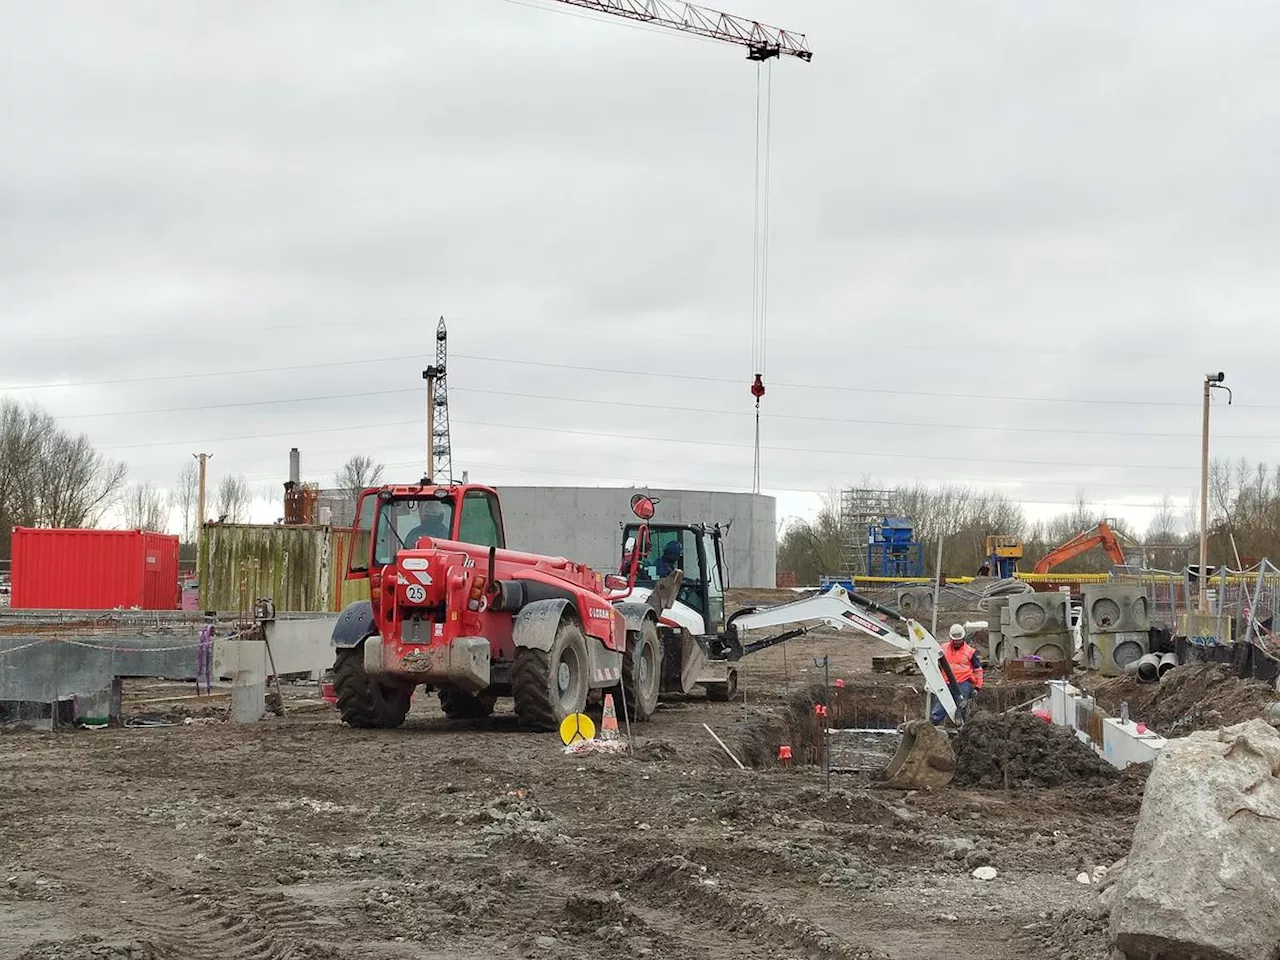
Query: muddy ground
[[298, 837]]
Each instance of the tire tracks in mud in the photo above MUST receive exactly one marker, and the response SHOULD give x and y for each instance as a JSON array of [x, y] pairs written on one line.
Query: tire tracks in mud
[[166, 919], [670, 885]]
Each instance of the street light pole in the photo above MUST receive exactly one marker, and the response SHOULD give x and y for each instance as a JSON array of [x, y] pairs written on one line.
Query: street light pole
[[1212, 381]]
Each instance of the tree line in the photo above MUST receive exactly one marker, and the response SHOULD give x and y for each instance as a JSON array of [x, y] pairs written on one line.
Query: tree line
[[1244, 526]]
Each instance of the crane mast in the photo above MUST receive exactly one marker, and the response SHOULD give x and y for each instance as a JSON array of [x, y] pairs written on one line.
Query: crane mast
[[762, 42]]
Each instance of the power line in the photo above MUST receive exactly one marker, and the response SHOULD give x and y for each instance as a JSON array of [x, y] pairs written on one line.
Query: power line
[[693, 378], [217, 373], [932, 425], [490, 425]]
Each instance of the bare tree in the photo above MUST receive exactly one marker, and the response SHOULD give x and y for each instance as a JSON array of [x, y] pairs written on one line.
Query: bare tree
[[1163, 527], [48, 477], [185, 498], [145, 508], [358, 473], [233, 500]]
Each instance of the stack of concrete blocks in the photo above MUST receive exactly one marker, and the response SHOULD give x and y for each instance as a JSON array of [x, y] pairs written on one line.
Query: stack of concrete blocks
[[1037, 625], [1117, 624]]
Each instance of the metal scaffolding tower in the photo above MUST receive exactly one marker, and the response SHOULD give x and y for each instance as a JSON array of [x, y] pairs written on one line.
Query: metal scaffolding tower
[[439, 448], [860, 507]]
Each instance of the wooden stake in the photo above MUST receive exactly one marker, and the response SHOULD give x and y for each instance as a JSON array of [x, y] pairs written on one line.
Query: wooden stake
[[723, 747]]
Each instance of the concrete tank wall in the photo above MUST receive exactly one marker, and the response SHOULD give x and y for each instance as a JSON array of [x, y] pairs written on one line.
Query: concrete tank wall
[[584, 524]]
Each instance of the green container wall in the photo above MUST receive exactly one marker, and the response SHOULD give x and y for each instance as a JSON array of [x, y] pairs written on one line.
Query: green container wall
[[299, 567]]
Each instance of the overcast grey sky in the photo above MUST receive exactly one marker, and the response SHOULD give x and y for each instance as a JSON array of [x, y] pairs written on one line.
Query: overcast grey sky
[[1007, 240]]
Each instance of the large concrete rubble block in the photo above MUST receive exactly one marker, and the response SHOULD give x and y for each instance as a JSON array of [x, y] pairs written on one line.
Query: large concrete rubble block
[[1200, 880]]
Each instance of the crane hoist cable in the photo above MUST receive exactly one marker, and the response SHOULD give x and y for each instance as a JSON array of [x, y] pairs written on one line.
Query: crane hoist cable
[[764, 45], [760, 248]]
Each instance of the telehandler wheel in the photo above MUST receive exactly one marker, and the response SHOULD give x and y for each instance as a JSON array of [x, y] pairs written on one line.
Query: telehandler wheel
[[549, 685], [460, 705], [641, 674], [363, 701], [723, 692]]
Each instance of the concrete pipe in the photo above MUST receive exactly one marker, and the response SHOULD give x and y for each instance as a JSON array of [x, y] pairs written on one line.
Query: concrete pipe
[[1167, 662], [1146, 669]]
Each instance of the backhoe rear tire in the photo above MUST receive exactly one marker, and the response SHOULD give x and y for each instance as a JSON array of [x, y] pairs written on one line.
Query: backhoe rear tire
[[460, 705], [549, 685], [641, 674], [363, 701]]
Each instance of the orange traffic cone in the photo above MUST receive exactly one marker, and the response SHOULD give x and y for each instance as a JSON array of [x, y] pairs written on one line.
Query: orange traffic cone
[[609, 721]]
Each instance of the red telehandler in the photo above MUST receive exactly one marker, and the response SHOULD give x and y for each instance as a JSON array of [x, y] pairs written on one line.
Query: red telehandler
[[452, 609]]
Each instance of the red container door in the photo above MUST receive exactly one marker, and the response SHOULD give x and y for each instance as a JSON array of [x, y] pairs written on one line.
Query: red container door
[[160, 587]]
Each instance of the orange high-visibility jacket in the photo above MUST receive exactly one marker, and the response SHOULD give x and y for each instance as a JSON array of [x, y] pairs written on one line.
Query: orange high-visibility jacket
[[965, 663]]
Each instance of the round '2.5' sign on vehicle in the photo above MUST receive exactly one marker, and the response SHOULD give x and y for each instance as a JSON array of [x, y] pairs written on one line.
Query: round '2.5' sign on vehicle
[[415, 593]]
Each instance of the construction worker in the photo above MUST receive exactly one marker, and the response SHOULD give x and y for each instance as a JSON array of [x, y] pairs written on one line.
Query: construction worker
[[966, 665], [671, 559], [433, 521]]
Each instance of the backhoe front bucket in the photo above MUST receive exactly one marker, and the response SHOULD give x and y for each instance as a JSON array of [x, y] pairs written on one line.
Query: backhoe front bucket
[[924, 761]]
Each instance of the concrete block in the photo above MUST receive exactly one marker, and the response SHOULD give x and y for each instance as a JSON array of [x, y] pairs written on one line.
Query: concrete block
[[248, 698], [1123, 745], [1046, 646], [1115, 608], [1110, 653], [1035, 613]]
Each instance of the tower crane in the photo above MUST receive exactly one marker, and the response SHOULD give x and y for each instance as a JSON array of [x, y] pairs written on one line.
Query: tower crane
[[763, 43]]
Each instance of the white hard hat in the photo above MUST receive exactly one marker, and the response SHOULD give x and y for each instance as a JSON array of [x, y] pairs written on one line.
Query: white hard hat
[[957, 631]]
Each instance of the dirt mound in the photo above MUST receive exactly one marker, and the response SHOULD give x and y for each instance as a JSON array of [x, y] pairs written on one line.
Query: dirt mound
[[1200, 696], [796, 725], [1019, 750]]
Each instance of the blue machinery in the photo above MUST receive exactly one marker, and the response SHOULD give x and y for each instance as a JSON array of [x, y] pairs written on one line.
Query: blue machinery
[[892, 549]]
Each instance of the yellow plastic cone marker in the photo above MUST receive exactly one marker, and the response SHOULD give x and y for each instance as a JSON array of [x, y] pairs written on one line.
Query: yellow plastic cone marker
[[577, 726], [609, 720]]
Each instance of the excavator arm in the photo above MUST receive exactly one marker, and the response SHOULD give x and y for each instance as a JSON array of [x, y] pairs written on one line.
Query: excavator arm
[[1100, 536], [839, 608]]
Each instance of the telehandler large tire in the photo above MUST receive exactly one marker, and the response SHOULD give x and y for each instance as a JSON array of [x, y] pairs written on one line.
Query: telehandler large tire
[[363, 701], [549, 685], [641, 674], [460, 705]]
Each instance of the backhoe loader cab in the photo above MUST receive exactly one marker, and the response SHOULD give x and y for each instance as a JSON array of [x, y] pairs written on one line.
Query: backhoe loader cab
[[694, 548], [692, 625]]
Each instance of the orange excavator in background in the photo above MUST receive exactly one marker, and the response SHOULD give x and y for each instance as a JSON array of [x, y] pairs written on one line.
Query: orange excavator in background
[[1100, 536]]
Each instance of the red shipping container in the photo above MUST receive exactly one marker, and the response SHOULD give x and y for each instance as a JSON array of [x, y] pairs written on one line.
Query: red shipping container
[[93, 570]]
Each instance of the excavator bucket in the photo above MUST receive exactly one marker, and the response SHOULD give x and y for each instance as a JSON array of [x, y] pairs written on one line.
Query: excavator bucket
[[924, 761]]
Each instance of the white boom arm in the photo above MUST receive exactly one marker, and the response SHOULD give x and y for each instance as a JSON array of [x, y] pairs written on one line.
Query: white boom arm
[[838, 608]]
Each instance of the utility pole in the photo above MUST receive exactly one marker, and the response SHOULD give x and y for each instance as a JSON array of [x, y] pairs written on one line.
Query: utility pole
[[1212, 381], [200, 517]]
